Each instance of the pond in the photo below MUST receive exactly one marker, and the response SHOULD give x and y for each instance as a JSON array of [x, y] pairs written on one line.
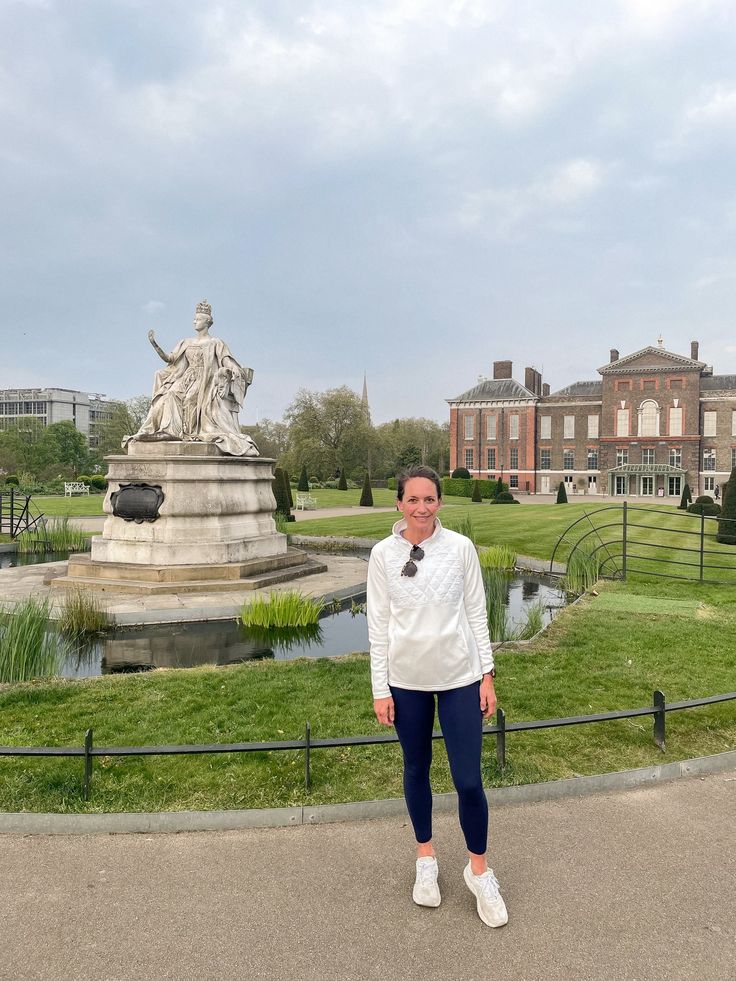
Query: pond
[[183, 645]]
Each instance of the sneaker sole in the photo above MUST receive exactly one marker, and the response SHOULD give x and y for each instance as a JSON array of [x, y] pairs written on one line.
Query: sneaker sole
[[505, 916]]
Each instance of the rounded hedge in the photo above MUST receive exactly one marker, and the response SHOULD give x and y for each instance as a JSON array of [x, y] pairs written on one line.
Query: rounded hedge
[[11, 480], [505, 497], [712, 508], [704, 499], [462, 472]]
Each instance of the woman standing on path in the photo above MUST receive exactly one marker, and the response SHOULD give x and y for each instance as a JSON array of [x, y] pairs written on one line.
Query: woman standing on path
[[428, 634]]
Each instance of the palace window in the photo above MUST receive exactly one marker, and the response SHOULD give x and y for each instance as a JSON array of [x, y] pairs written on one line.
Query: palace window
[[514, 480], [491, 457], [647, 457], [468, 423], [568, 431], [592, 427], [568, 460], [468, 459], [622, 422], [709, 424], [676, 457], [545, 459], [622, 457], [491, 428], [709, 459], [514, 458], [545, 427], [675, 421], [513, 427], [649, 418], [709, 483], [592, 459]]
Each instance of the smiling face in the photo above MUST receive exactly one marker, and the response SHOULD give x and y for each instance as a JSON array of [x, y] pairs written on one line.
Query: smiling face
[[419, 505]]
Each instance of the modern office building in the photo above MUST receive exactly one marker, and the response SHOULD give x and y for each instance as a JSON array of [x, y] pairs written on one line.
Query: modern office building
[[654, 421], [49, 405]]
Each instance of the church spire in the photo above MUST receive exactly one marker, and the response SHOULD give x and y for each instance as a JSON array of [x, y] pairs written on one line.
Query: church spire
[[364, 397]]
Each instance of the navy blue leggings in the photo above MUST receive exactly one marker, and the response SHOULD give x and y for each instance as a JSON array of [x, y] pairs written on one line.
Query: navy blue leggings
[[461, 720]]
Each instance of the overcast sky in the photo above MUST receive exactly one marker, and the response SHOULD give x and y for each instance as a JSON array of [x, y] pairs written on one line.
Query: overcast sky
[[410, 188]]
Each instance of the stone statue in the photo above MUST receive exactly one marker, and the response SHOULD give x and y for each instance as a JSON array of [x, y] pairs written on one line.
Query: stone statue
[[198, 395]]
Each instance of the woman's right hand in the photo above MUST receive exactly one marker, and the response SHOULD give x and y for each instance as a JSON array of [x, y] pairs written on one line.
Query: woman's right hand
[[151, 336], [384, 709]]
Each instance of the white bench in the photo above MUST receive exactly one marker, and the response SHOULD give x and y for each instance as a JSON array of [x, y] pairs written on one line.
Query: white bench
[[304, 502], [75, 487]]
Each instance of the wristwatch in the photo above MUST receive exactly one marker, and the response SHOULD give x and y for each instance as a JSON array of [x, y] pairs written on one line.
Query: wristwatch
[[492, 673]]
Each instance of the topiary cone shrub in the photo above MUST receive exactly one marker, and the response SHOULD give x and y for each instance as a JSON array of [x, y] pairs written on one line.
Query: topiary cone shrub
[[727, 522], [462, 472], [561, 494], [686, 497], [287, 484], [303, 484], [281, 494], [342, 483], [366, 496], [476, 498], [501, 488]]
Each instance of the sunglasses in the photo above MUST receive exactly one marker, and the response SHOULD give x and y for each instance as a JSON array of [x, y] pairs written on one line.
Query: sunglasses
[[410, 567]]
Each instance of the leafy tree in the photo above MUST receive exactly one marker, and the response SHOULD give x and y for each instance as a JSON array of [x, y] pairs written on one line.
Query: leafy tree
[[403, 442], [61, 447], [366, 497], [303, 484], [686, 497], [271, 438], [19, 444], [124, 419], [727, 522], [328, 430], [561, 494]]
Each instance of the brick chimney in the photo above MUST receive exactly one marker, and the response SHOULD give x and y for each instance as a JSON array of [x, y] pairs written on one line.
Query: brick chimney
[[502, 369], [614, 355], [545, 390], [530, 380], [694, 350]]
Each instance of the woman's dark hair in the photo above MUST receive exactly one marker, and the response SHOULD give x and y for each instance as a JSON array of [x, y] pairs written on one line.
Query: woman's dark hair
[[418, 470]]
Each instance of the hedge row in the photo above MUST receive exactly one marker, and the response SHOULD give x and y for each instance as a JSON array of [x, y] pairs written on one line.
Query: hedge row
[[456, 487]]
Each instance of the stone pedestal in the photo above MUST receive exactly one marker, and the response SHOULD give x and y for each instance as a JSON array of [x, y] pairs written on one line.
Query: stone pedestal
[[214, 532], [216, 509]]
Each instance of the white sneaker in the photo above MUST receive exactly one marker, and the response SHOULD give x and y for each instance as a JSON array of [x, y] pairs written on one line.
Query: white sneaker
[[491, 907], [426, 891]]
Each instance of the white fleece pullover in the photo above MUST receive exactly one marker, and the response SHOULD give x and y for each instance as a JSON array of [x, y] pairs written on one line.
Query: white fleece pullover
[[428, 632]]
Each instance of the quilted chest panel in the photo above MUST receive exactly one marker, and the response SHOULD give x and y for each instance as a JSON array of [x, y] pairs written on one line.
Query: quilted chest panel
[[439, 577]]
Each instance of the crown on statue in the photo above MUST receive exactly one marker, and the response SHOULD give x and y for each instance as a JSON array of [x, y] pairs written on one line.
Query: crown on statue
[[204, 307]]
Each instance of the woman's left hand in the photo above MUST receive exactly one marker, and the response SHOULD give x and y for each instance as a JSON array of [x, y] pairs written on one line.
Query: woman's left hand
[[487, 696]]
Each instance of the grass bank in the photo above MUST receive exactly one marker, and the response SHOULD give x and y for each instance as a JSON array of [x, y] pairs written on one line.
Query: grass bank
[[605, 653]]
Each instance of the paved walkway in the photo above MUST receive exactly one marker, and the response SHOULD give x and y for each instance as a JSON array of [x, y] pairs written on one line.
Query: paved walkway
[[633, 886]]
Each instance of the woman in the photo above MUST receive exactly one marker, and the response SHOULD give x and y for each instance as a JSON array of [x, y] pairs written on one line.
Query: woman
[[197, 396], [429, 640]]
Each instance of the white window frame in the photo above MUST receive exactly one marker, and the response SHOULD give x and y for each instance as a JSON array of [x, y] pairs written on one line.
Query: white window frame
[[650, 425], [514, 426], [468, 427], [491, 424], [593, 427], [469, 458], [568, 455], [622, 457], [710, 423], [568, 427], [709, 460], [675, 420], [675, 457], [491, 465], [545, 457], [648, 451], [622, 422], [514, 451], [545, 427]]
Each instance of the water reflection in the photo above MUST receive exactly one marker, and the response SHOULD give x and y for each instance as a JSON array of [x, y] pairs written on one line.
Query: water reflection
[[185, 645]]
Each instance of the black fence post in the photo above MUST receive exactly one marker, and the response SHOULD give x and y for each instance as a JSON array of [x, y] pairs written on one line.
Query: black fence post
[[87, 762], [307, 746], [659, 704], [702, 543], [501, 737], [624, 529]]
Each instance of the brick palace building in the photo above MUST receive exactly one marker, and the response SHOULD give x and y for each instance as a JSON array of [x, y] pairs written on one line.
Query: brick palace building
[[654, 421]]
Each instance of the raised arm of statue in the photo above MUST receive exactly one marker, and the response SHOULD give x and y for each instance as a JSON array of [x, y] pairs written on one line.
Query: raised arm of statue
[[159, 351]]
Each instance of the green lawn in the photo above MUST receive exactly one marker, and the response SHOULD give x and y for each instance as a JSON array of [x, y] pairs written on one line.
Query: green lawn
[[80, 506], [604, 653]]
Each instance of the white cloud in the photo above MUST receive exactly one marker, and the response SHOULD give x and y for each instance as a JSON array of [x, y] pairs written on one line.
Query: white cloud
[[153, 306]]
